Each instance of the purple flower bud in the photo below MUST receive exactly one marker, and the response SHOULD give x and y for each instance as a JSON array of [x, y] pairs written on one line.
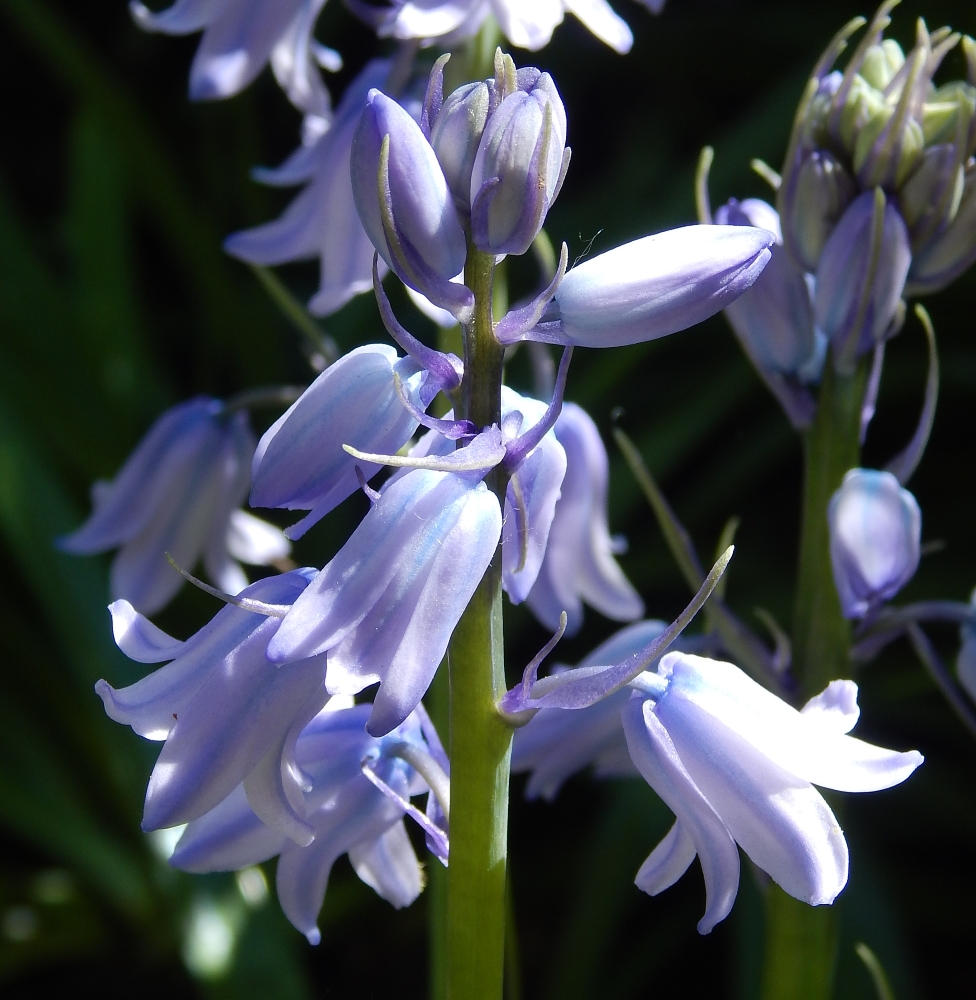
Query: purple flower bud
[[455, 136], [300, 463], [930, 199], [175, 494], [657, 285], [519, 166], [404, 202], [875, 536], [385, 607], [816, 195], [774, 318], [861, 277]]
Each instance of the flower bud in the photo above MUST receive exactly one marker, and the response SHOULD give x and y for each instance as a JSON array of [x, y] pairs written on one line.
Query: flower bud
[[882, 62], [519, 166], [774, 318], [819, 192], [455, 135], [931, 197], [875, 536], [862, 102], [861, 277], [887, 149], [948, 254], [404, 202]]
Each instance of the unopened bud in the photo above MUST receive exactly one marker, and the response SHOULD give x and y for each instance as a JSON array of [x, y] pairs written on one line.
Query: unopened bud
[[455, 135], [520, 164], [887, 149], [820, 191], [862, 103], [875, 536], [882, 62], [930, 198]]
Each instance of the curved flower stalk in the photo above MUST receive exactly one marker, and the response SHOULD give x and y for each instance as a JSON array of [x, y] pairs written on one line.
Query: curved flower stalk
[[322, 221], [227, 715], [240, 37], [875, 540], [737, 766], [385, 607], [300, 462], [176, 494], [579, 564], [527, 24], [348, 814], [773, 319]]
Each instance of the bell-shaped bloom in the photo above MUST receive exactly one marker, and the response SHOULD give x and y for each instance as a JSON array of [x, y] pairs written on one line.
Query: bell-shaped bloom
[[555, 744], [241, 37], [347, 813], [176, 494], [774, 318], [875, 540], [861, 276], [579, 564], [519, 166], [655, 286], [528, 24], [300, 463], [737, 765], [385, 607], [322, 221], [404, 202], [226, 713]]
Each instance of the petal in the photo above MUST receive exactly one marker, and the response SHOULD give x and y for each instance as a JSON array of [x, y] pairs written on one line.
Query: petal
[[255, 541], [227, 838], [667, 862], [138, 638], [659, 284], [599, 18], [657, 760], [835, 707], [528, 25], [431, 18], [389, 866], [182, 18]]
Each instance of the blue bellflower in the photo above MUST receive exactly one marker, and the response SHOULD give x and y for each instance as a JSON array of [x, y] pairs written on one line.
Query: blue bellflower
[[875, 540], [177, 493], [348, 814], [578, 564], [385, 607], [737, 765], [241, 37]]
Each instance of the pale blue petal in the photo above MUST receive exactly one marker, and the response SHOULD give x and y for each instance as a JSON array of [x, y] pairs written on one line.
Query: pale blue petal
[[667, 862], [389, 866], [138, 638]]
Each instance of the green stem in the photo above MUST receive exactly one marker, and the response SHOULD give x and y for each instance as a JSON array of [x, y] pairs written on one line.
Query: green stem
[[480, 743], [801, 940]]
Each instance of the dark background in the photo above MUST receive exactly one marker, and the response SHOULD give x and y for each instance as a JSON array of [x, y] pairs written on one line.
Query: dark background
[[116, 301]]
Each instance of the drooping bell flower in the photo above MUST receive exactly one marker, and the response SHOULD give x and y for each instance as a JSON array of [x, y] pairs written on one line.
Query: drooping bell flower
[[737, 765], [240, 37], [875, 540], [300, 463], [347, 813], [579, 562], [177, 494], [226, 713], [385, 607]]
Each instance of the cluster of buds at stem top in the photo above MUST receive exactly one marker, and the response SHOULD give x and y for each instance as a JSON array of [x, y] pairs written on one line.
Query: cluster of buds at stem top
[[878, 196]]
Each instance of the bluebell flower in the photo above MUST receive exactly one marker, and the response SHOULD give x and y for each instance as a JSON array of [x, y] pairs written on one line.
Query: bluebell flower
[[241, 37], [385, 607], [579, 564], [528, 24], [405, 204], [322, 221], [226, 713], [773, 319], [347, 813], [875, 540], [654, 286], [737, 765], [300, 463], [177, 494]]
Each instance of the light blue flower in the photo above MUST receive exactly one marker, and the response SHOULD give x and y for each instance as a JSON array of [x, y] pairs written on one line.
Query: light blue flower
[[579, 564], [177, 493], [875, 540]]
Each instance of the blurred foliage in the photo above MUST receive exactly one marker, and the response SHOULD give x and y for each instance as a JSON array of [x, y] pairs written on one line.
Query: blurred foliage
[[116, 301]]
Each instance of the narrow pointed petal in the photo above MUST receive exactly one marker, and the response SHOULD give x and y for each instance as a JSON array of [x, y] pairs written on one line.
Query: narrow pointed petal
[[389, 866], [667, 862], [657, 759], [659, 284], [138, 638]]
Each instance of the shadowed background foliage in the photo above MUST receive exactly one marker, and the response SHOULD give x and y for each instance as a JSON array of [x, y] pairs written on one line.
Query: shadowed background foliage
[[116, 301]]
